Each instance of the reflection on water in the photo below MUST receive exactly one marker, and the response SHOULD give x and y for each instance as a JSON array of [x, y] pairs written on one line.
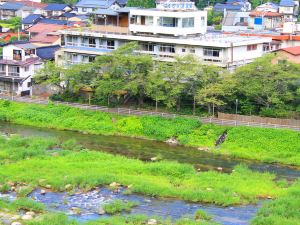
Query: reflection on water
[[145, 149]]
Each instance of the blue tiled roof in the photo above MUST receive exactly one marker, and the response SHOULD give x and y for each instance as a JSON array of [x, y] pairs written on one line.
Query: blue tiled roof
[[108, 12], [57, 22], [103, 4], [68, 14], [237, 1], [287, 3], [55, 7], [11, 6], [31, 18], [47, 52], [220, 7], [122, 2]]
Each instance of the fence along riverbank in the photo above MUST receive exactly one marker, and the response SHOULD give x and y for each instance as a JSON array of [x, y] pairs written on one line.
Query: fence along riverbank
[[223, 119]]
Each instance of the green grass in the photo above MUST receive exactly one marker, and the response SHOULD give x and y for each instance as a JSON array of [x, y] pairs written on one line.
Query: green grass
[[267, 145], [285, 210], [118, 206], [21, 204], [87, 169]]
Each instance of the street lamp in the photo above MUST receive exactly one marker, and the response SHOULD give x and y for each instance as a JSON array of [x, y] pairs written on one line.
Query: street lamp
[[12, 93]]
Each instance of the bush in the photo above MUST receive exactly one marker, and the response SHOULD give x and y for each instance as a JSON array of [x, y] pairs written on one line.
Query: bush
[[28, 205], [118, 206]]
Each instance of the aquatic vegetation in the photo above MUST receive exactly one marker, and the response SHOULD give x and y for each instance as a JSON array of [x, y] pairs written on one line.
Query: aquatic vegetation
[[284, 210], [26, 204], [161, 179], [118, 206]]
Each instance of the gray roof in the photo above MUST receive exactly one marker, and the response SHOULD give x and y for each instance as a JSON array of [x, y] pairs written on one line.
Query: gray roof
[[26, 46], [287, 3], [108, 12], [103, 4]]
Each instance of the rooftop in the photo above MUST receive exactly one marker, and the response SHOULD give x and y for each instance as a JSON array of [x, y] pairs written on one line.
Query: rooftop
[[44, 27], [47, 52], [221, 7], [11, 6], [31, 4], [55, 7], [292, 50], [103, 4], [265, 14], [287, 3], [31, 18]]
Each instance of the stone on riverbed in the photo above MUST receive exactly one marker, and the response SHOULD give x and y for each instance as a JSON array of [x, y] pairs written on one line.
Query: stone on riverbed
[[43, 192], [15, 217], [172, 141], [101, 211], [152, 222], [16, 223], [48, 186], [114, 184], [30, 213], [27, 217], [68, 187]]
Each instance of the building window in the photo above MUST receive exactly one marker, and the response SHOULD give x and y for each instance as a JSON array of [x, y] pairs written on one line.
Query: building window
[[183, 50], [84, 10], [147, 47], [251, 47], [133, 19], [26, 68], [168, 22], [111, 44], [17, 55], [192, 50], [167, 48], [203, 23], [211, 52], [2, 68], [188, 22], [13, 71], [149, 20], [29, 52]]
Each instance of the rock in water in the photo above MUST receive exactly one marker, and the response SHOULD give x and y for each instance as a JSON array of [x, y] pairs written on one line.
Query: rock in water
[[68, 187], [43, 192], [101, 211], [114, 184], [152, 222], [27, 217], [172, 141], [16, 223], [30, 213]]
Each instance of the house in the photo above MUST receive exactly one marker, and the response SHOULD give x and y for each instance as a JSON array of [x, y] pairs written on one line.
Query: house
[[289, 9], [176, 28], [260, 20], [291, 54], [9, 10], [233, 5], [30, 20], [45, 34], [55, 9], [38, 6], [90, 6], [235, 21], [268, 7], [17, 67], [19, 64]]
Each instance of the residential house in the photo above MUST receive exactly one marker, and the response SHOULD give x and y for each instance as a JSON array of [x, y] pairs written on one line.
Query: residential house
[[291, 54], [90, 6], [290, 9], [45, 34], [233, 5], [30, 20], [19, 64], [55, 9], [260, 20], [17, 67], [235, 21], [176, 28], [9, 10], [38, 6]]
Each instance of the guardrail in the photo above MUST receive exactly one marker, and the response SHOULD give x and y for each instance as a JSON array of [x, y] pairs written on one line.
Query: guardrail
[[135, 112]]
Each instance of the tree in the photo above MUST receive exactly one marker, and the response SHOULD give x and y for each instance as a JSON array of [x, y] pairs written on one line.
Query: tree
[[268, 84], [201, 76], [50, 73], [156, 85], [141, 3]]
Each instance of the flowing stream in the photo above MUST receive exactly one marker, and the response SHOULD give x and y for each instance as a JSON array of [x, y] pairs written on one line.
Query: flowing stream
[[89, 202]]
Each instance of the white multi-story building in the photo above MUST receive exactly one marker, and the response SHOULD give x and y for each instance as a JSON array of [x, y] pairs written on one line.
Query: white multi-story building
[[174, 28], [19, 63]]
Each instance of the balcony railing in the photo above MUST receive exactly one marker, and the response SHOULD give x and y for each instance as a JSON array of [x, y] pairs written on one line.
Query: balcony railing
[[75, 44]]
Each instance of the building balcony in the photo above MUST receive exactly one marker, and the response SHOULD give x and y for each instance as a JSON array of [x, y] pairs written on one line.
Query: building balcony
[[19, 61]]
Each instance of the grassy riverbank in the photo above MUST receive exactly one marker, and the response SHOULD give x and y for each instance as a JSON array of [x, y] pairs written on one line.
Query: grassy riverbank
[[268, 145], [284, 210], [36, 162]]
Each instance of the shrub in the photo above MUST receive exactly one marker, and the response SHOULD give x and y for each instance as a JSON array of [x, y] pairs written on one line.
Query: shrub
[[118, 206]]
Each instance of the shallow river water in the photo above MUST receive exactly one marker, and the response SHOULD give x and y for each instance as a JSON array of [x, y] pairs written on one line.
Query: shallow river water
[[89, 203]]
